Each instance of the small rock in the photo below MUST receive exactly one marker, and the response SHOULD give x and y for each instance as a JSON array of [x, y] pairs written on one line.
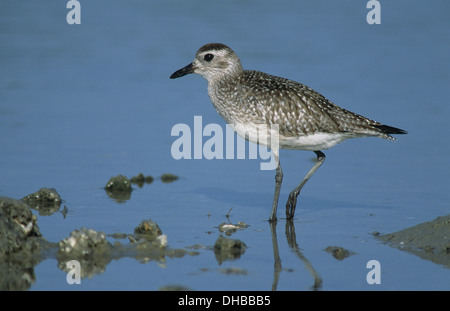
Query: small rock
[[228, 249], [119, 188], [118, 183], [338, 252], [21, 245], [148, 228], [140, 179], [87, 246], [82, 243], [167, 178], [18, 228], [45, 200]]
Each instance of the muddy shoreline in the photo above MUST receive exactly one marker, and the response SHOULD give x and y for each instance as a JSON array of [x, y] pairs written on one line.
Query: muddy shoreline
[[22, 246], [429, 240]]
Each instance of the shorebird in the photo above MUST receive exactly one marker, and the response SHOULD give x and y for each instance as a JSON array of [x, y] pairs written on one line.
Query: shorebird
[[305, 119]]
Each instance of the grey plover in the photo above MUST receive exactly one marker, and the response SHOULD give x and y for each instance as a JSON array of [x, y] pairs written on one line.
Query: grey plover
[[305, 119]]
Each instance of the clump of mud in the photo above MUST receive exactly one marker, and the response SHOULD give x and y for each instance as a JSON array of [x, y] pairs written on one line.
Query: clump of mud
[[140, 180], [228, 249], [21, 244], [168, 178], [119, 187], [148, 234], [89, 247], [338, 252], [429, 240], [45, 200]]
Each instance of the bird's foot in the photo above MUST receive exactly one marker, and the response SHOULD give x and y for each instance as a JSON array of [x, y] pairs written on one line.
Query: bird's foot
[[273, 219], [291, 204]]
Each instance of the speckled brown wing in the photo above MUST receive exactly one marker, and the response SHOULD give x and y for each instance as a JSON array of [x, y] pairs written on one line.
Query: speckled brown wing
[[299, 110]]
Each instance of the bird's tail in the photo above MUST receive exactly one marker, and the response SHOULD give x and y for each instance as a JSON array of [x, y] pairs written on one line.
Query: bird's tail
[[387, 130]]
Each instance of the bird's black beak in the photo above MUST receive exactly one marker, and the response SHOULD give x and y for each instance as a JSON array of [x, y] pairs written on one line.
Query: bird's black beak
[[183, 71]]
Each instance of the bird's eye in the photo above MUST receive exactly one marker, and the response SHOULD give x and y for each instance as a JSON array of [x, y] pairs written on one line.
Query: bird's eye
[[208, 57]]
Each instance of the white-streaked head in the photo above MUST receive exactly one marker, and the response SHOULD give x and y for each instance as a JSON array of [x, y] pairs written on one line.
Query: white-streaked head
[[213, 61]]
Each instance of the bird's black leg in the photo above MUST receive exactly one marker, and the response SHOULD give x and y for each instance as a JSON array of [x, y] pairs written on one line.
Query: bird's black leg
[[292, 201], [276, 195]]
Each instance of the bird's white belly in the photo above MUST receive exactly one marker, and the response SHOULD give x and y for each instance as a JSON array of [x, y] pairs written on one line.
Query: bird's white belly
[[313, 142], [268, 135]]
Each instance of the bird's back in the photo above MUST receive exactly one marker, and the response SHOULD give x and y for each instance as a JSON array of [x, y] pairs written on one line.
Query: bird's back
[[257, 97]]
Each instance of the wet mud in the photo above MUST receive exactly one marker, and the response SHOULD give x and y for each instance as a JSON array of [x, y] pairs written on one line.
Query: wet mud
[[22, 246], [429, 240]]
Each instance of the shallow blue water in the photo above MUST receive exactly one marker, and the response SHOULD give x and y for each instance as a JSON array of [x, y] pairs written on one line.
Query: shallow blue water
[[82, 103]]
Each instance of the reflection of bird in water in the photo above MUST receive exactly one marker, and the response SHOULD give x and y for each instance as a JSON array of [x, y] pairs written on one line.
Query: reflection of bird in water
[[292, 242]]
